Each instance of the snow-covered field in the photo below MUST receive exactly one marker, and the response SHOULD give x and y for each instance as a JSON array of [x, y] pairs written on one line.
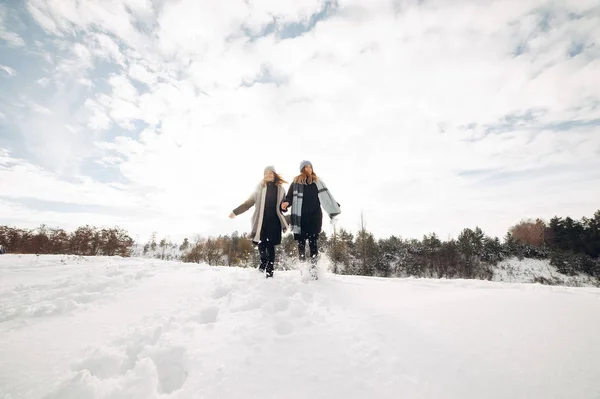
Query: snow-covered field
[[73, 327]]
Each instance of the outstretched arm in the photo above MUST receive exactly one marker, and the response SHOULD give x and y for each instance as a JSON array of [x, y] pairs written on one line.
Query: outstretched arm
[[249, 203], [331, 206]]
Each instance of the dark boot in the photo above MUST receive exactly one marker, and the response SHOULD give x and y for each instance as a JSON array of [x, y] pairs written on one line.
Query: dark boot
[[270, 269], [314, 256], [302, 250], [262, 250]]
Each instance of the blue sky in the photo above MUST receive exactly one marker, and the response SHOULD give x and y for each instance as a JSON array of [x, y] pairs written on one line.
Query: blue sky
[[425, 116]]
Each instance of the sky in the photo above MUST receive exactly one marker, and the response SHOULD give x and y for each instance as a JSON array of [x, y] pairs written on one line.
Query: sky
[[424, 116]]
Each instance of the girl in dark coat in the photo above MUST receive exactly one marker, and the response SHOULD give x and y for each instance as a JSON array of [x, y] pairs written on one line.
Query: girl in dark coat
[[307, 194], [267, 220]]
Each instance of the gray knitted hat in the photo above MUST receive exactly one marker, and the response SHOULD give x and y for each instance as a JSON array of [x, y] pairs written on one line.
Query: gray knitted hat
[[271, 168], [303, 164]]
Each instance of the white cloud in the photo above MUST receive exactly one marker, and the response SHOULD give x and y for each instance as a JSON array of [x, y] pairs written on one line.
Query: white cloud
[[40, 12], [399, 98], [99, 120], [43, 82], [122, 88], [73, 66], [22, 179], [105, 47], [31, 105], [143, 8], [60, 17], [8, 70], [263, 12], [11, 38], [142, 74]]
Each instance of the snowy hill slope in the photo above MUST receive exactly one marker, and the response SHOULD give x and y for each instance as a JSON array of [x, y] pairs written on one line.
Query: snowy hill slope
[[73, 327], [538, 270]]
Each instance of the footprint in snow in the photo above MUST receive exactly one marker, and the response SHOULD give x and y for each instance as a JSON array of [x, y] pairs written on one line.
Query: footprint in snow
[[298, 309], [172, 367], [207, 315], [102, 363], [284, 327], [281, 305], [220, 292], [252, 304]]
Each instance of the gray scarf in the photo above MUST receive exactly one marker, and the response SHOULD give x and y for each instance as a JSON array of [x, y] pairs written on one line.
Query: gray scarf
[[325, 198]]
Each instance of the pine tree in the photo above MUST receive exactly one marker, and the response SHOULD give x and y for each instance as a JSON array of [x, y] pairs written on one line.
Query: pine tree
[[153, 242], [184, 245], [163, 248], [343, 252], [592, 227], [387, 256], [366, 250]]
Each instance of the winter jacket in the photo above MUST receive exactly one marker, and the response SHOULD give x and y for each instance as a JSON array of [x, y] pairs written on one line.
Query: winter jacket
[[308, 220], [267, 220], [312, 215]]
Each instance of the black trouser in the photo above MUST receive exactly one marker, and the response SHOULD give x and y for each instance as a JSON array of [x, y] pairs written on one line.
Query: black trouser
[[266, 249], [312, 244]]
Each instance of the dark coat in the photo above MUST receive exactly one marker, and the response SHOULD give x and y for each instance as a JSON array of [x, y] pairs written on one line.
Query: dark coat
[[271, 226], [267, 209], [312, 215]]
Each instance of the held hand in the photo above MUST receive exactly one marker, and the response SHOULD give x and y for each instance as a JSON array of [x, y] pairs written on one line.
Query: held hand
[[231, 215], [284, 205]]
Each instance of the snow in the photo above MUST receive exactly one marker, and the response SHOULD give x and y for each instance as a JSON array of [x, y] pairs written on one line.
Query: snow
[[75, 327], [537, 270]]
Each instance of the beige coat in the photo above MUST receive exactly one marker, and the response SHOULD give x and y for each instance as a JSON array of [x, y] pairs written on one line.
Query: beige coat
[[257, 199]]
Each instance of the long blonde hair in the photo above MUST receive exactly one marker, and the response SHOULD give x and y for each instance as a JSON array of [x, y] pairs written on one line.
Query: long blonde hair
[[303, 178], [278, 180]]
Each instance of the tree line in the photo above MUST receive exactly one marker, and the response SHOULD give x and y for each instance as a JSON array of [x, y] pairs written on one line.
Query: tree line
[[86, 241], [573, 246]]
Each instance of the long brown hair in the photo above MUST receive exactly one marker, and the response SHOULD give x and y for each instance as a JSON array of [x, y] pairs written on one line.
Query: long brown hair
[[278, 180], [303, 178]]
